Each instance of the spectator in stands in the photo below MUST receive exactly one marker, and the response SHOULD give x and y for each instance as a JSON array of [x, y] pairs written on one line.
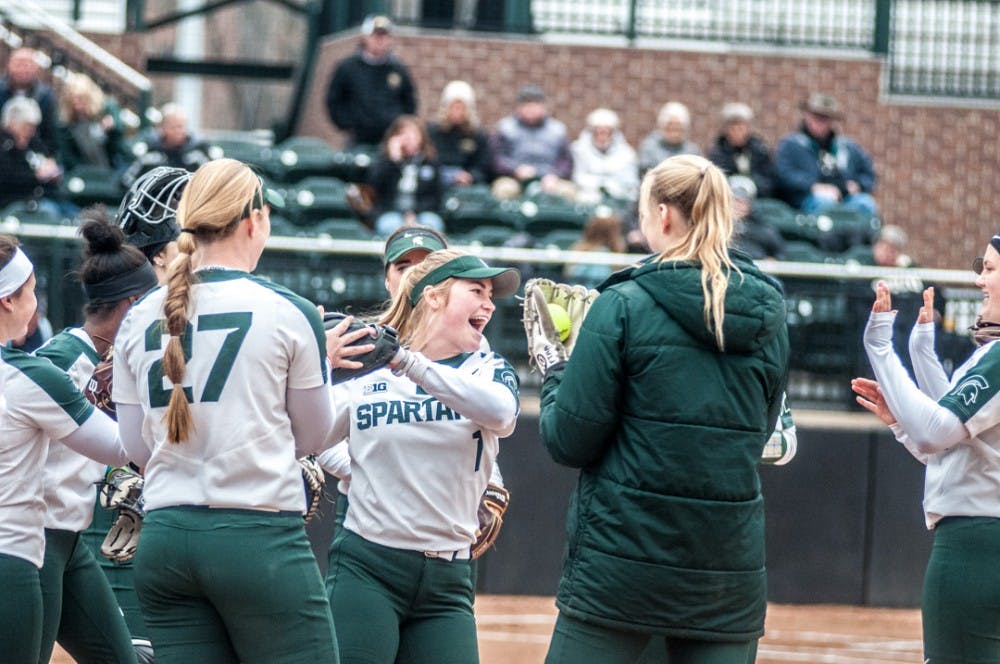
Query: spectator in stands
[[370, 88], [173, 145], [90, 129], [603, 233], [463, 148], [739, 151], [887, 250], [406, 179], [818, 168], [531, 146], [752, 234], [27, 171], [23, 79], [604, 164], [669, 139]]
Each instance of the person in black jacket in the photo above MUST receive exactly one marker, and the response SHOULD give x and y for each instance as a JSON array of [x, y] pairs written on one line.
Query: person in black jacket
[[28, 172], [739, 151], [23, 79], [463, 147], [406, 179], [371, 88]]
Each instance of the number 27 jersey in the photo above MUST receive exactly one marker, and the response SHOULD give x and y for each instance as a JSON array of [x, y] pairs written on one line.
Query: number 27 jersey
[[247, 342]]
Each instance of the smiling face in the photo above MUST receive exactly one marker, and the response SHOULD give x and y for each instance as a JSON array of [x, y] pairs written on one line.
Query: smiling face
[[459, 317], [989, 282]]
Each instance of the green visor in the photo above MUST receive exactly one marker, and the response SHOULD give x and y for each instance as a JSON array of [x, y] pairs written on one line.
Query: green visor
[[506, 280], [410, 240]]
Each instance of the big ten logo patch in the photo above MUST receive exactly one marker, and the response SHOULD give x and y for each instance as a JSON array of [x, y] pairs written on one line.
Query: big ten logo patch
[[376, 388]]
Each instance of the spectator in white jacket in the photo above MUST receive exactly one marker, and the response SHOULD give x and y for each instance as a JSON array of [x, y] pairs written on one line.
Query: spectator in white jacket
[[604, 164]]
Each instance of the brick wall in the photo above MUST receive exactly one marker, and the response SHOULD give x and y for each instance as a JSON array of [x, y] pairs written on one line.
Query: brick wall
[[937, 165]]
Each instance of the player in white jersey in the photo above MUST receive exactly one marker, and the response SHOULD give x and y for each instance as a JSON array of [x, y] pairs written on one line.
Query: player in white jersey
[[147, 217], [40, 403], [220, 385], [952, 426], [80, 610], [422, 436]]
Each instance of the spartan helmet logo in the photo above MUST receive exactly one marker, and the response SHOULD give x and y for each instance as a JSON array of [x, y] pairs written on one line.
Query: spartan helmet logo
[[969, 388]]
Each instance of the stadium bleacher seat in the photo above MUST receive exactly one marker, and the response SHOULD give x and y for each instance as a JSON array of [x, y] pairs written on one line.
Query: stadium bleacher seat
[[352, 165], [779, 215], [487, 236], [544, 213], [802, 251], [560, 238], [317, 197], [248, 150], [28, 212], [301, 156], [466, 208], [87, 184], [343, 229]]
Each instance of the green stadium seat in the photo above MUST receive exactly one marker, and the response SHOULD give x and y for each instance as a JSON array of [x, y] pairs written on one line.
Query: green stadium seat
[[560, 238], [343, 229], [487, 236], [315, 198], [28, 212], [249, 150], [87, 184], [301, 156]]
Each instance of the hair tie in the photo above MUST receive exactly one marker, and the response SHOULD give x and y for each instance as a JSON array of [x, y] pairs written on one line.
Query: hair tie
[[704, 169], [188, 230]]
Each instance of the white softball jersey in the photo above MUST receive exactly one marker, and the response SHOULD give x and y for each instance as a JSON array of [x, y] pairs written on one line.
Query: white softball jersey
[[963, 470], [248, 341], [421, 454], [40, 403], [70, 477]]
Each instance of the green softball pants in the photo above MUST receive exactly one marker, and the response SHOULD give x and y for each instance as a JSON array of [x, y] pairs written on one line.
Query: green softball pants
[[231, 585], [395, 605], [20, 610], [961, 598], [121, 576], [576, 641], [78, 608]]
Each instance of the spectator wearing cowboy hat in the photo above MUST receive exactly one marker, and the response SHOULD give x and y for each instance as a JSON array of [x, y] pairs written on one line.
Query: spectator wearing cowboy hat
[[818, 168]]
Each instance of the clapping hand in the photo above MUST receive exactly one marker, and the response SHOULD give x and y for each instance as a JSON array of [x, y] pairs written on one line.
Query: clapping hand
[[870, 396]]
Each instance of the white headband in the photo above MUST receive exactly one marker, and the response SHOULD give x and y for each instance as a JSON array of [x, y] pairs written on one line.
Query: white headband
[[14, 274]]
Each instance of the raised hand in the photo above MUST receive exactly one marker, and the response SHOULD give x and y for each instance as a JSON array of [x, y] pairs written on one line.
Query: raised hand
[[871, 398], [926, 314], [883, 299]]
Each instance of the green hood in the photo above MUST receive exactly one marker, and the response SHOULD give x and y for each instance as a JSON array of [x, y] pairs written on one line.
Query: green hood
[[753, 314]]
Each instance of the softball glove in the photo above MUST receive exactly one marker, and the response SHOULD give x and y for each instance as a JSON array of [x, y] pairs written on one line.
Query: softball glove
[[98, 388], [122, 490], [492, 507], [315, 482], [546, 347], [384, 339]]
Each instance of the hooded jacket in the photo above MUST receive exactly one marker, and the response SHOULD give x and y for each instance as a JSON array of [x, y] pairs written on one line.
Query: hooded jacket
[[666, 525]]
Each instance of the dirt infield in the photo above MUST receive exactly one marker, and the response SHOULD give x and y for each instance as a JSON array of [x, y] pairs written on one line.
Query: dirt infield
[[516, 630]]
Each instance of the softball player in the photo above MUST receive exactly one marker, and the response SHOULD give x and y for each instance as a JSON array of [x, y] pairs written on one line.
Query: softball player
[[147, 216], [952, 426], [220, 384], [40, 403], [422, 437], [80, 610]]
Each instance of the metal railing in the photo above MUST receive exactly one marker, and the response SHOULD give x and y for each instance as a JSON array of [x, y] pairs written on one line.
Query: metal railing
[[827, 304], [932, 47]]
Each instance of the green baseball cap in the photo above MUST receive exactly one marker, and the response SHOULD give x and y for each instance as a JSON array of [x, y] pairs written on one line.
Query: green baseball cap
[[506, 280], [409, 240]]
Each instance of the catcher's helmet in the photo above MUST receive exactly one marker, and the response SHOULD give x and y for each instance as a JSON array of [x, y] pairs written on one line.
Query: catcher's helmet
[[148, 212]]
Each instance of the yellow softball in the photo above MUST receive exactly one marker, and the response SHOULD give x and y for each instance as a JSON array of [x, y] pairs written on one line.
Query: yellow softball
[[561, 319]]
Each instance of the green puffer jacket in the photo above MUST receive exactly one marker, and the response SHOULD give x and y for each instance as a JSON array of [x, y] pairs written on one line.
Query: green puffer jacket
[[666, 524]]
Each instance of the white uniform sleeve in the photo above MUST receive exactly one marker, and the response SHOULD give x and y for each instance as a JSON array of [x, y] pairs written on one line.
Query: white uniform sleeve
[[307, 362], [930, 427], [901, 436], [926, 366], [312, 418], [495, 476], [97, 438], [486, 402], [336, 460], [130, 418]]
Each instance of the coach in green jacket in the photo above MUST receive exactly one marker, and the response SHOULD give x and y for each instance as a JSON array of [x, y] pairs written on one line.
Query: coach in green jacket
[[673, 387]]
